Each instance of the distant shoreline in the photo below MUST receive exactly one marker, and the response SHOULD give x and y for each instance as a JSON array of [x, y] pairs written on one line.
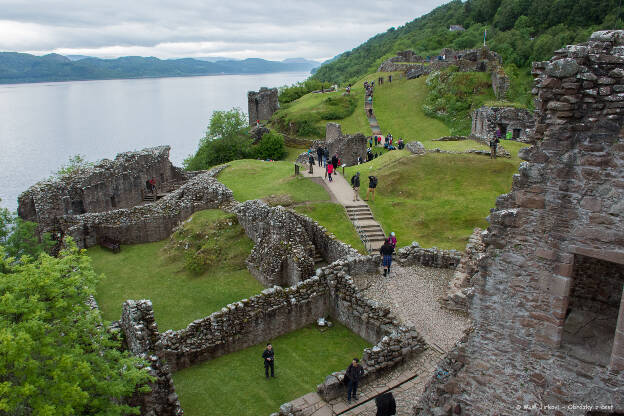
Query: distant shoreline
[[2, 82]]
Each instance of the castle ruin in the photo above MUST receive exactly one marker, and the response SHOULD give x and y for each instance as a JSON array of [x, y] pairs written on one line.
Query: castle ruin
[[517, 122], [262, 104]]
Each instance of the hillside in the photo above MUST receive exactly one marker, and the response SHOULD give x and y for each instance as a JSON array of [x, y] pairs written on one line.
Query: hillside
[[22, 67], [521, 31]]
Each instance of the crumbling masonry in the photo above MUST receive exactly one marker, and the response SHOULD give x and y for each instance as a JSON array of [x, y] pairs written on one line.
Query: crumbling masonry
[[547, 306], [262, 104]]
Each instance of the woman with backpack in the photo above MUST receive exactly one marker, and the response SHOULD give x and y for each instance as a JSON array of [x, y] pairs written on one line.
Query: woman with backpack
[[386, 254], [372, 184]]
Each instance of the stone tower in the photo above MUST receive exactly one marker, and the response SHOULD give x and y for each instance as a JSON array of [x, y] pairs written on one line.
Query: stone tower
[[262, 104], [548, 314]]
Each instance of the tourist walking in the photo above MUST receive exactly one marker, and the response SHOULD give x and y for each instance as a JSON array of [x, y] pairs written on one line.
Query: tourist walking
[[355, 183], [372, 184], [386, 405], [311, 161], [269, 360], [325, 156], [334, 161], [393, 239], [386, 253], [353, 375], [329, 170], [319, 155]]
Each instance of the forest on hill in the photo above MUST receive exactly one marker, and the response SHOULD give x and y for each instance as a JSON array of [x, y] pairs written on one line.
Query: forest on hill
[[521, 31]]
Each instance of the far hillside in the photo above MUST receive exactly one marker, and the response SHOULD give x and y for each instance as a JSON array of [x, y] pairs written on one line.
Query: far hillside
[[521, 31]]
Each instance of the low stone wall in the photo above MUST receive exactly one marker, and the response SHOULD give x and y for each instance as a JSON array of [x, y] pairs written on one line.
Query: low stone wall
[[428, 257], [142, 339], [349, 147], [285, 243], [461, 288], [274, 312], [150, 222]]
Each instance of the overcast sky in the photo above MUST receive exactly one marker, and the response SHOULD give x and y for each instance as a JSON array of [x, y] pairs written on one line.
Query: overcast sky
[[271, 29]]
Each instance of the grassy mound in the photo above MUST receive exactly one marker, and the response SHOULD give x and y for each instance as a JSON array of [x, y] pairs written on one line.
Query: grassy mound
[[302, 360], [158, 271], [435, 199]]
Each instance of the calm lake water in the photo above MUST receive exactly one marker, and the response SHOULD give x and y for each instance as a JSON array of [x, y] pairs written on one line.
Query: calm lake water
[[42, 125]]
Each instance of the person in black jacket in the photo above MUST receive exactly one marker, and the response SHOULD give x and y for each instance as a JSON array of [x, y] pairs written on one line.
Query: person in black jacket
[[386, 252], [386, 406], [319, 155], [353, 375], [269, 358], [372, 184], [334, 161], [355, 183], [311, 160]]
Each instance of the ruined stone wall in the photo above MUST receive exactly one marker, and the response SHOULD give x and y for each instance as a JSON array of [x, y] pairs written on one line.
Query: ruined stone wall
[[566, 201], [106, 186], [500, 83], [143, 340], [274, 312], [349, 147], [150, 222], [262, 104], [486, 120], [428, 257], [285, 243]]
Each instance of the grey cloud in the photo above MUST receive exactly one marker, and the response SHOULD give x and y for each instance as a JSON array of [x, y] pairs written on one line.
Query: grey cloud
[[269, 29]]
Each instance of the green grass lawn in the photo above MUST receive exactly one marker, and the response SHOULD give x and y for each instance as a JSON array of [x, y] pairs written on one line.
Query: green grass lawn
[[234, 384], [146, 271], [435, 199], [333, 217], [255, 179]]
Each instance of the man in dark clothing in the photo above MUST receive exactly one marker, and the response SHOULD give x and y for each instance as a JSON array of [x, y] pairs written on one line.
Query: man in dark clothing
[[319, 155], [311, 161], [325, 156], [355, 183], [386, 252], [335, 161], [268, 356], [493, 145], [353, 375], [386, 406]]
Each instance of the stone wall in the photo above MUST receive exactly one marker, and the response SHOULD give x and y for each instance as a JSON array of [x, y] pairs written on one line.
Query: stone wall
[[150, 222], [565, 202], [460, 290], [285, 243], [142, 339], [349, 147], [106, 186], [500, 83], [486, 120], [262, 104], [429, 257]]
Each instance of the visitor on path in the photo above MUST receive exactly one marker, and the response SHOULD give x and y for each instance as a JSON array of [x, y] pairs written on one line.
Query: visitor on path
[[393, 239], [319, 155], [386, 253], [152, 185], [329, 170], [311, 161], [372, 184], [370, 142], [334, 161], [401, 145], [493, 146], [325, 156], [269, 360], [353, 375], [386, 405], [355, 183]]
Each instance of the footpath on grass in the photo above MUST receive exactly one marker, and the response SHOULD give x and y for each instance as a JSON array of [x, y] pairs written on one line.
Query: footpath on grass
[[360, 214]]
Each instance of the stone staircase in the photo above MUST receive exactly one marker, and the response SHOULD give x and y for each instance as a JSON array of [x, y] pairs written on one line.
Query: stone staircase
[[316, 256], [372, 120], [369, 230]]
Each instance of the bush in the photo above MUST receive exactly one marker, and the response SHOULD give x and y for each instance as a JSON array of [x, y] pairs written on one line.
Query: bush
[[75, 163], [227, 138], [298, 90], [337, 108], [271, 146]]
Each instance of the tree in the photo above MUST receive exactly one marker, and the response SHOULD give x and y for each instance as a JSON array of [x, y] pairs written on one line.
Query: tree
[[75, 163], [271, 146], [20, 238], [226, 139], [56, 356]]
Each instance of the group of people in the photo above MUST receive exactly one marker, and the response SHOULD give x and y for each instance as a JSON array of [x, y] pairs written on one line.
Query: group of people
[[355, 185], [150, 184], [389, 142], [386, 405]]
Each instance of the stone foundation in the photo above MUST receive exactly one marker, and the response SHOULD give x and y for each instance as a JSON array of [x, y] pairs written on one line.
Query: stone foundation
[[486, 120]]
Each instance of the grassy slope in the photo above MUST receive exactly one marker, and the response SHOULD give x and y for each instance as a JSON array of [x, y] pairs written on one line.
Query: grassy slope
[[398, 107], [332, 216], [235, 385], [252, 179], [143, 271], [436, 199]]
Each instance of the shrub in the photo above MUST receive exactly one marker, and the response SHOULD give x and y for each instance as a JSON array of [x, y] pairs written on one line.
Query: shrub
[[271, 146]]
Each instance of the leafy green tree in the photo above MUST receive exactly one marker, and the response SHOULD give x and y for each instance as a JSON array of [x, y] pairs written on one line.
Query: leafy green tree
[[227, 138], [271, 146], [75, 163], [20, 238], [56, 356]]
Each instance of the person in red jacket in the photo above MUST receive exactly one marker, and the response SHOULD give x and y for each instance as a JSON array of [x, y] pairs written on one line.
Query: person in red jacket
[[330, 170]]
